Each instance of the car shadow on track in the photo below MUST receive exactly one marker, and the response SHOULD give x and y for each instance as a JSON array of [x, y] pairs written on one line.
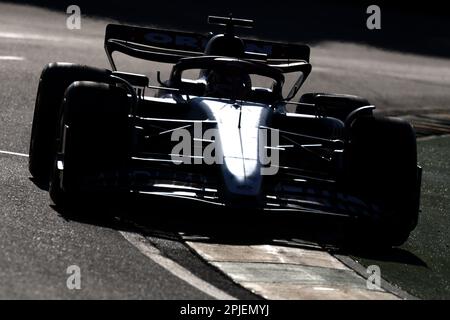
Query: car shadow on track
[[177, 221]]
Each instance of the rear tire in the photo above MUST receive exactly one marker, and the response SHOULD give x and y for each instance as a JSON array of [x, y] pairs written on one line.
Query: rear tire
[[94, 139], [54, 80], [381, 166]]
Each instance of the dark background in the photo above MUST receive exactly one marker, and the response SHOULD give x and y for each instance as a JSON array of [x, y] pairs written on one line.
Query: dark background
[[422, 27]]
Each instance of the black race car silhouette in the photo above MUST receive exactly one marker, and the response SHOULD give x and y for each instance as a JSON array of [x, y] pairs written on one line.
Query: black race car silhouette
[[220, 138]]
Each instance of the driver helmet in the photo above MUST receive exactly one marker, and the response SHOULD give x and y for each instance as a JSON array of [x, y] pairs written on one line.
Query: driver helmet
[[228, 83]]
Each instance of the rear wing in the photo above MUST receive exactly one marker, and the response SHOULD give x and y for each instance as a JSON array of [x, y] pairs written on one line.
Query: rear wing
[[170, 46]]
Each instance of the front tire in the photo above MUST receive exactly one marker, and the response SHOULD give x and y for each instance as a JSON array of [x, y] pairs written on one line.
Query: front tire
[[54, 80], [94, 140], [381, 167]]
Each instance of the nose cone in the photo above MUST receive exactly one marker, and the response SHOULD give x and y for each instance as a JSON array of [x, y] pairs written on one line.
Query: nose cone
[[238, 142]]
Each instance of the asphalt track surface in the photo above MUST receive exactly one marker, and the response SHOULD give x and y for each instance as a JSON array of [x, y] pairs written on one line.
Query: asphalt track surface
[[38, 244]]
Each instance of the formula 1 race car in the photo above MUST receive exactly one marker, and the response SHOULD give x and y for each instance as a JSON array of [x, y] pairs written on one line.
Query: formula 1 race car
[[224, 130]]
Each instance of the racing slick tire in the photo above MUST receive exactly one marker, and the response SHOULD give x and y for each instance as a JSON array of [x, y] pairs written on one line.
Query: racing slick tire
[[54, 80], [381, 166], [93, 141], [335, 105]]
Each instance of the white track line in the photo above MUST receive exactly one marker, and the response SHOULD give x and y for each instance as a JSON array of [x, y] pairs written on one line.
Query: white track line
[[28, 36], [12, 58], [143, 245], [39, 37], [14, 153]]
